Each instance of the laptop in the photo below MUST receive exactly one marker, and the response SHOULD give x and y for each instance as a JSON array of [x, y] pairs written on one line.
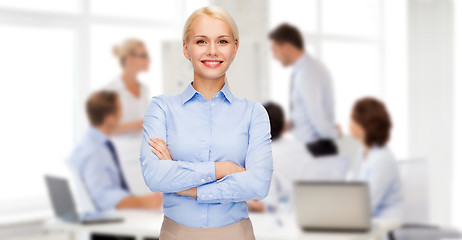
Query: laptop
[[64, 207], [332, 206]]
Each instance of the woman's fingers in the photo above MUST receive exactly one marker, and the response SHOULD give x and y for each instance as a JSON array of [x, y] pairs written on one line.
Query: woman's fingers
[[160, 153], [161, 148], [157, 153], [161, 141]]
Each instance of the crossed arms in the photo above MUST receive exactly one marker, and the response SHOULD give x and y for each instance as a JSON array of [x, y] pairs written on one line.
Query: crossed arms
[[209, 182]]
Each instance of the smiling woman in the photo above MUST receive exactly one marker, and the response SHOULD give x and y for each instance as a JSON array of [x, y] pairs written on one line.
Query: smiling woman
[[206, 172], [206, 45]]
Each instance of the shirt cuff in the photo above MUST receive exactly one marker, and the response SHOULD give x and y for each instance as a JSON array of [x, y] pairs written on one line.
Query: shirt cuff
[[208, 193], [206, 172]]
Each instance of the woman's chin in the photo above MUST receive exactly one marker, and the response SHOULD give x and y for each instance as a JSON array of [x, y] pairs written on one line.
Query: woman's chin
[[211, 76]]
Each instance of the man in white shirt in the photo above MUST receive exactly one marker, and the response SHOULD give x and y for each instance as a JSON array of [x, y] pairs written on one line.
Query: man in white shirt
[[292, 163], [289, 158], [311, 94]]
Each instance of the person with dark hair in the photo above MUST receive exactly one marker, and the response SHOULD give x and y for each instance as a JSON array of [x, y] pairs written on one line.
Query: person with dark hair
[[311, 93], [277, 119], [289, 159], [371, 124], [96, 162]]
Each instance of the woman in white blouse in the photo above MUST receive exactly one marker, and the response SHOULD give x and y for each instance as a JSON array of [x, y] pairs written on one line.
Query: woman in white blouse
[[376, 165], [133, 58]]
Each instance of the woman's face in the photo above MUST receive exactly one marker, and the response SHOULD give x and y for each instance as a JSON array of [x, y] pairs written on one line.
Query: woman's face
[[210, 47], [356, 130], [139, 60]]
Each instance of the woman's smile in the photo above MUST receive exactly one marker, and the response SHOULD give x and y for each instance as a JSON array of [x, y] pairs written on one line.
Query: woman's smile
[[212, 63]]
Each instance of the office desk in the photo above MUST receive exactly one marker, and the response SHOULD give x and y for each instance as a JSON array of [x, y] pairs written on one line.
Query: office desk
[[146, 224]]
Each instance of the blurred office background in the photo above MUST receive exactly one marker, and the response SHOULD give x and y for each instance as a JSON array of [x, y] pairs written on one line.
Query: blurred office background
[[53, 53]]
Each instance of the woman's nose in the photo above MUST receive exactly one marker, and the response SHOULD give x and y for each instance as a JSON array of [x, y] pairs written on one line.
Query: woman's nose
[[212, 50]]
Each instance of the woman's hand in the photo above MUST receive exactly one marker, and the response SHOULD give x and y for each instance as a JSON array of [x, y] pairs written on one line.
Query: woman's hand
[[255, 206], [192, 192], [160, 148], [129, 127], [224, 168]]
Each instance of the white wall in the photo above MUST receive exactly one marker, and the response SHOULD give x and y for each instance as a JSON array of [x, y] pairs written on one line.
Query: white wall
[[252, 18], [457, 167], [431, 97]]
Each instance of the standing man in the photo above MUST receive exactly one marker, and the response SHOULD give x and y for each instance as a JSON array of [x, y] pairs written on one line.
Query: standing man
[[311, 94]]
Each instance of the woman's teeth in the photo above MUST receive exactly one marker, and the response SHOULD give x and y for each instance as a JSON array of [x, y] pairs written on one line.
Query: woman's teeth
[[212, 64]]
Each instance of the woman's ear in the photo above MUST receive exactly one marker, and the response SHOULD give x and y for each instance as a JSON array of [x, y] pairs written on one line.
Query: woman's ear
[[235, 49], [185, 51]]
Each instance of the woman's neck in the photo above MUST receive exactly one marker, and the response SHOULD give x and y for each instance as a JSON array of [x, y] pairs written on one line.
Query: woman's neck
[[131, 82], [129, 77], [208, 87], [366, 151]]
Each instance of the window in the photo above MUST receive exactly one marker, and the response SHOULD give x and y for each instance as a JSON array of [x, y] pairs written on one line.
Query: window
[[64, 6], [356, 18], [54, 53], [355, 69], [36, 99], [363, 47], [299, 13], [143, 9]]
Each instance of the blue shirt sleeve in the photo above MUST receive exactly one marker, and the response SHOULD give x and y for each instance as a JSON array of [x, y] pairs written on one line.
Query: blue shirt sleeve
[[380, 176], [253, 183], [165, 175], [310, 85], [102, 181]]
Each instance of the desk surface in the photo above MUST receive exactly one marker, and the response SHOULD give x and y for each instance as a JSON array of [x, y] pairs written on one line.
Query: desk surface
[[143, 223]]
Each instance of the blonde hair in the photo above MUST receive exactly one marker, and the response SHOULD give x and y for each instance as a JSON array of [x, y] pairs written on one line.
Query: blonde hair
[[211, 11], [215, 12], [122, 51]]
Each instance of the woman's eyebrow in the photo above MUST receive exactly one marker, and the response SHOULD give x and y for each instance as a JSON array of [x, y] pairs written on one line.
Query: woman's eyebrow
[[199, 36], [203, 36]]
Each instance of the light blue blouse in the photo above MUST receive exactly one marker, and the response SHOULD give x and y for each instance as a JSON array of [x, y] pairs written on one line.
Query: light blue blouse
[[199, 133], [380, 171]]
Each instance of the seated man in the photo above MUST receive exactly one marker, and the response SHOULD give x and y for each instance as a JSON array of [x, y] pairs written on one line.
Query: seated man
[[96, 161]]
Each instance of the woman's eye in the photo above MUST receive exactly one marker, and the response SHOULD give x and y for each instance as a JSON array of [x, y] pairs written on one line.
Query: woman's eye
[[200, 41], [223, 42]]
